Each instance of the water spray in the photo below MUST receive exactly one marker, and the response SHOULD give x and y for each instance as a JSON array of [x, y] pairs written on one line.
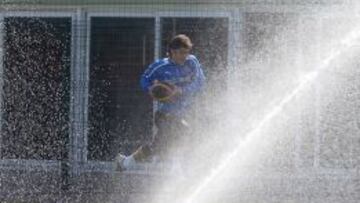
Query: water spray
[[307, 79]]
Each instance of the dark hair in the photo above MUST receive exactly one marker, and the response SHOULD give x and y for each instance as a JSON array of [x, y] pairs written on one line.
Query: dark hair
[[180, 41]]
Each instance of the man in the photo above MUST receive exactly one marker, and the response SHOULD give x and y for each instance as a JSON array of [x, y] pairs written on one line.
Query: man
[[182, 76]]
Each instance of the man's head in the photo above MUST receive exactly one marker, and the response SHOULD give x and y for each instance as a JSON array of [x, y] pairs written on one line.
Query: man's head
[[179, 48]]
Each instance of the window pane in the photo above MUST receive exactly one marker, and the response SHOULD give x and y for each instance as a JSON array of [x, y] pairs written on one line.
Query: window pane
[[210, 39], [35, 104], [120, 114]]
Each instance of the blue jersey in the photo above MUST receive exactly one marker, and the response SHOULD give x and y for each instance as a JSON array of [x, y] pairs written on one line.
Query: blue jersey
[[189, 77]]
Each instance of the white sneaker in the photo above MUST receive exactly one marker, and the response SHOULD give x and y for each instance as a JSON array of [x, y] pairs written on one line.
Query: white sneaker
[[123, 163], [129, 163]]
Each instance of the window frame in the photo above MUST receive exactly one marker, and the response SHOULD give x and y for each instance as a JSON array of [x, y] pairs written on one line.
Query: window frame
[[31, 164]]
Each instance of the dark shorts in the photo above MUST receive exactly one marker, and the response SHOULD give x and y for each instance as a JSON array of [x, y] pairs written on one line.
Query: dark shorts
[[171, 131]]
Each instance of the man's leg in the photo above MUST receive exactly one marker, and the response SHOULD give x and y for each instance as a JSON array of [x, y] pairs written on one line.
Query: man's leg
[[156, 146], [129, 162]]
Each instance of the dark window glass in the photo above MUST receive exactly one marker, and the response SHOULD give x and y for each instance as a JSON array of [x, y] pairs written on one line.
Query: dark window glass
[[210, 40], [35, 106], [120, 114]]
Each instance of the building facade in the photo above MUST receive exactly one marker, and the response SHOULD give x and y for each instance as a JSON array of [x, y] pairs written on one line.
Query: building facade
[[69, 74]]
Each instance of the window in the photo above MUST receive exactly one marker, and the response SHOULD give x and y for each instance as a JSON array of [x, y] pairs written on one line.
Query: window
[[210, 38], [35, 101], [120, 114]]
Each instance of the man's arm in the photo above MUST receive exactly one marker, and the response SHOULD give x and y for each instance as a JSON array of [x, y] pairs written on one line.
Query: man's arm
[[145, 82], [150, 75], [198, 78]]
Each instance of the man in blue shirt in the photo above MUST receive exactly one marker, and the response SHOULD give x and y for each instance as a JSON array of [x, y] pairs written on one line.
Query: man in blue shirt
[[183, 73]]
